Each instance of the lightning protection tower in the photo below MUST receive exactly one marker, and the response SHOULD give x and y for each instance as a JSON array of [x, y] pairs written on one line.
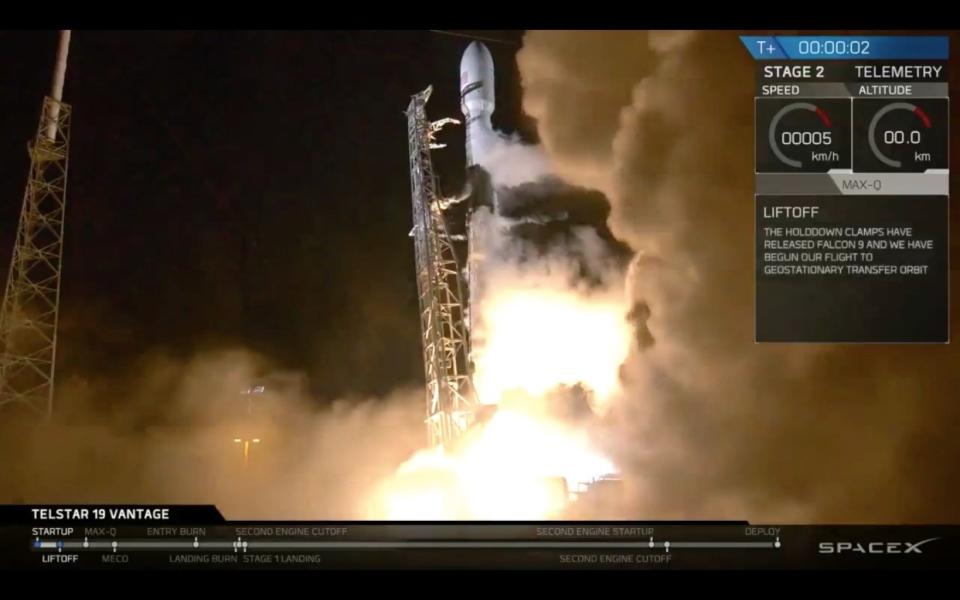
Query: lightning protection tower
[[450, 398], [28, 316]]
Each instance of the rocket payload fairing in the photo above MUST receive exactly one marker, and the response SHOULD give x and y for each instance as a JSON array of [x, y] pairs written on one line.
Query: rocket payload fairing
[[477, 101]]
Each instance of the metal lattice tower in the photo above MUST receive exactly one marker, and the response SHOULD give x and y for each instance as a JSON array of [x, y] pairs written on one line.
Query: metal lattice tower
[[28, 316], [450, 397]]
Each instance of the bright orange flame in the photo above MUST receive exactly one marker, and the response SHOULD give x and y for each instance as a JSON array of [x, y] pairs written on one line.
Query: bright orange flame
[[536, 339], [517, 466], [533, 334]]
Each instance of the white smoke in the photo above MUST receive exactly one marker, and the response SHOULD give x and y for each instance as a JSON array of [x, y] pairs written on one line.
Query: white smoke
[[711, 424], [171, 440], [539, 324], [511, 162]]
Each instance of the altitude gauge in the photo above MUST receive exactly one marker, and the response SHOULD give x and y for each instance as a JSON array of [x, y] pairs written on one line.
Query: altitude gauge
[[908, 134], [802, 135]]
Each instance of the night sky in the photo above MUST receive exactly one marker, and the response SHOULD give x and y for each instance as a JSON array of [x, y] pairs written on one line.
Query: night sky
[[240, 189]]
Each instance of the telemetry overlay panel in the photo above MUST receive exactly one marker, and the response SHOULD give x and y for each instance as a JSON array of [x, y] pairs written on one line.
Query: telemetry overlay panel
[[852, 188]]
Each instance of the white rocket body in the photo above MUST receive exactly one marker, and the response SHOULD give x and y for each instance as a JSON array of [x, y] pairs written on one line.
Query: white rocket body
[[477, 101]]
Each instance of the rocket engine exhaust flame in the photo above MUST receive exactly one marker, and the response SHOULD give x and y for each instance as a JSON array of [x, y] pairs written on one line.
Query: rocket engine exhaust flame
[[542, 340], [539, 337], [518, 466]]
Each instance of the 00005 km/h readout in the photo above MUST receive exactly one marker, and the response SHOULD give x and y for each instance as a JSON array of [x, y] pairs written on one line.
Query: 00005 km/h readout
[[803, 135]]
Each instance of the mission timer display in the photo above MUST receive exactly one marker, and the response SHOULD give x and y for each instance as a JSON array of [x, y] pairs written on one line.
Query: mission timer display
[[852, 188]]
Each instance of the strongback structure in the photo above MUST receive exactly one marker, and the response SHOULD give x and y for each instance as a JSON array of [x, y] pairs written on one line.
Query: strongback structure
[[28, 316], [451, 402]]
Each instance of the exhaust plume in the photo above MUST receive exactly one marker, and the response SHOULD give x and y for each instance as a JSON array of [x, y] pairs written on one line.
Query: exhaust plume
[[711, 425], [510, 162]]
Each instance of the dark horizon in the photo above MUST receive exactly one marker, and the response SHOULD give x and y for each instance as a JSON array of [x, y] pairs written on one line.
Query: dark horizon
[[240, 189]]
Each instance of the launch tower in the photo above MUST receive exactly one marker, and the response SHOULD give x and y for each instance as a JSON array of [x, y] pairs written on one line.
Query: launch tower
[[28, 316], [451, 402]]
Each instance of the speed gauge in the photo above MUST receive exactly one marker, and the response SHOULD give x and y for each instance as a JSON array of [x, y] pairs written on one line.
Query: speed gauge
[[805, 135]]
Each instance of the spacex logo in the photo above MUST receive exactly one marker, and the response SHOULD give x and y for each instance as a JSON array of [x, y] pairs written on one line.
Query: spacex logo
[[873, 547]]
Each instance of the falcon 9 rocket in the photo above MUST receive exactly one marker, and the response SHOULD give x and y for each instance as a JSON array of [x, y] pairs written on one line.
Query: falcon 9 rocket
[[477, 101]]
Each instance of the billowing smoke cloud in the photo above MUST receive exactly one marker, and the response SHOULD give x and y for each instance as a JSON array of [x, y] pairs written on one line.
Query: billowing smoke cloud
[[550, 301], [549, 329], [166, 433], [511, 163], [548, 315], [711, 425]]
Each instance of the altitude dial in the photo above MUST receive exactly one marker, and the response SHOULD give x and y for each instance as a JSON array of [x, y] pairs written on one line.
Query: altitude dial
[[901, 135]]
